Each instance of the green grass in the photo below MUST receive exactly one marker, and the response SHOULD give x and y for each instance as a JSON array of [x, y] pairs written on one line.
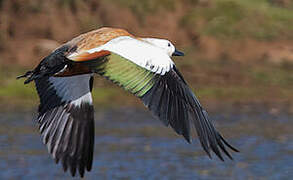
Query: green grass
[[217, 80], [279, 77], [16, 89], [143, 8], [241, 19]]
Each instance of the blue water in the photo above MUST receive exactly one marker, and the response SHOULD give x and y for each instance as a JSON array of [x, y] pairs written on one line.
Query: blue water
[[131, 144]]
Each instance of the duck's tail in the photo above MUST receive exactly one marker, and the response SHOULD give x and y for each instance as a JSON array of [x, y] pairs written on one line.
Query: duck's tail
[[29, 75]]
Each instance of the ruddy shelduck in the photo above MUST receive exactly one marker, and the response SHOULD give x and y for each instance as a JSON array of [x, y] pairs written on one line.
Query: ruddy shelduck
[[141, 66]]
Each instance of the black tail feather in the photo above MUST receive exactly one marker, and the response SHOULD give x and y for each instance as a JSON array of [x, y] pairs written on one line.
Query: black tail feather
[[29, 75]]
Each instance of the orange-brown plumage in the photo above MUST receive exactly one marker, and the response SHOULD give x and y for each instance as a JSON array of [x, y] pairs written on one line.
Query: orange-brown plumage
[[97, 38], [85, 56], [88, 41]]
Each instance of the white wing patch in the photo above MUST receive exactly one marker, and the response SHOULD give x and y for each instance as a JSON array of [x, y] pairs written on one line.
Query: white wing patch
[[139, 52], [74, 89], [85, 98]]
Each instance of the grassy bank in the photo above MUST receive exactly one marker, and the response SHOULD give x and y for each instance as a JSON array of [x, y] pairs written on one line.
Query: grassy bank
[[236, 19]]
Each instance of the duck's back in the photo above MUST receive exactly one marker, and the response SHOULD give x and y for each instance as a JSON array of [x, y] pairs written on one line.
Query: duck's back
[[96, 38]]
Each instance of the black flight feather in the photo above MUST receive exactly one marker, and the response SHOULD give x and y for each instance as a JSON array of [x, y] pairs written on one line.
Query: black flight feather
[[66, 129], [173, 102]]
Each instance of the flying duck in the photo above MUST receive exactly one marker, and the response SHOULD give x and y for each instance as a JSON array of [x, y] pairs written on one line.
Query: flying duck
[[141, 66]]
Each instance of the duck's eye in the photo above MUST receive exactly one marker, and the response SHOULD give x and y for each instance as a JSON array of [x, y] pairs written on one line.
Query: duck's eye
[[169, 44]]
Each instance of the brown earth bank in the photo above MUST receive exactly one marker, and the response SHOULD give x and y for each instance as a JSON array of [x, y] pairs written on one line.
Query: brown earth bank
[[30, 30]]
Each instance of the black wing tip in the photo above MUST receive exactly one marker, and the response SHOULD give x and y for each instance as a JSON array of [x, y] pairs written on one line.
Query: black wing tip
[[229, 145], [223, 149], [74, 167]]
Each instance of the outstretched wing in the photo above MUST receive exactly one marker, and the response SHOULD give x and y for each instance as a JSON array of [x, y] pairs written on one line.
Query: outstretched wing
[[150, 74], [66, 120]]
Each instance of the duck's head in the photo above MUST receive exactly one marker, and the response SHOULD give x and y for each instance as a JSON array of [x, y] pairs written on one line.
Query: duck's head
[[165, 45]]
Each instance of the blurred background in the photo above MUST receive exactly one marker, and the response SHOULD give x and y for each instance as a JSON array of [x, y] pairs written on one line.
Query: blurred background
[[239, 62]]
